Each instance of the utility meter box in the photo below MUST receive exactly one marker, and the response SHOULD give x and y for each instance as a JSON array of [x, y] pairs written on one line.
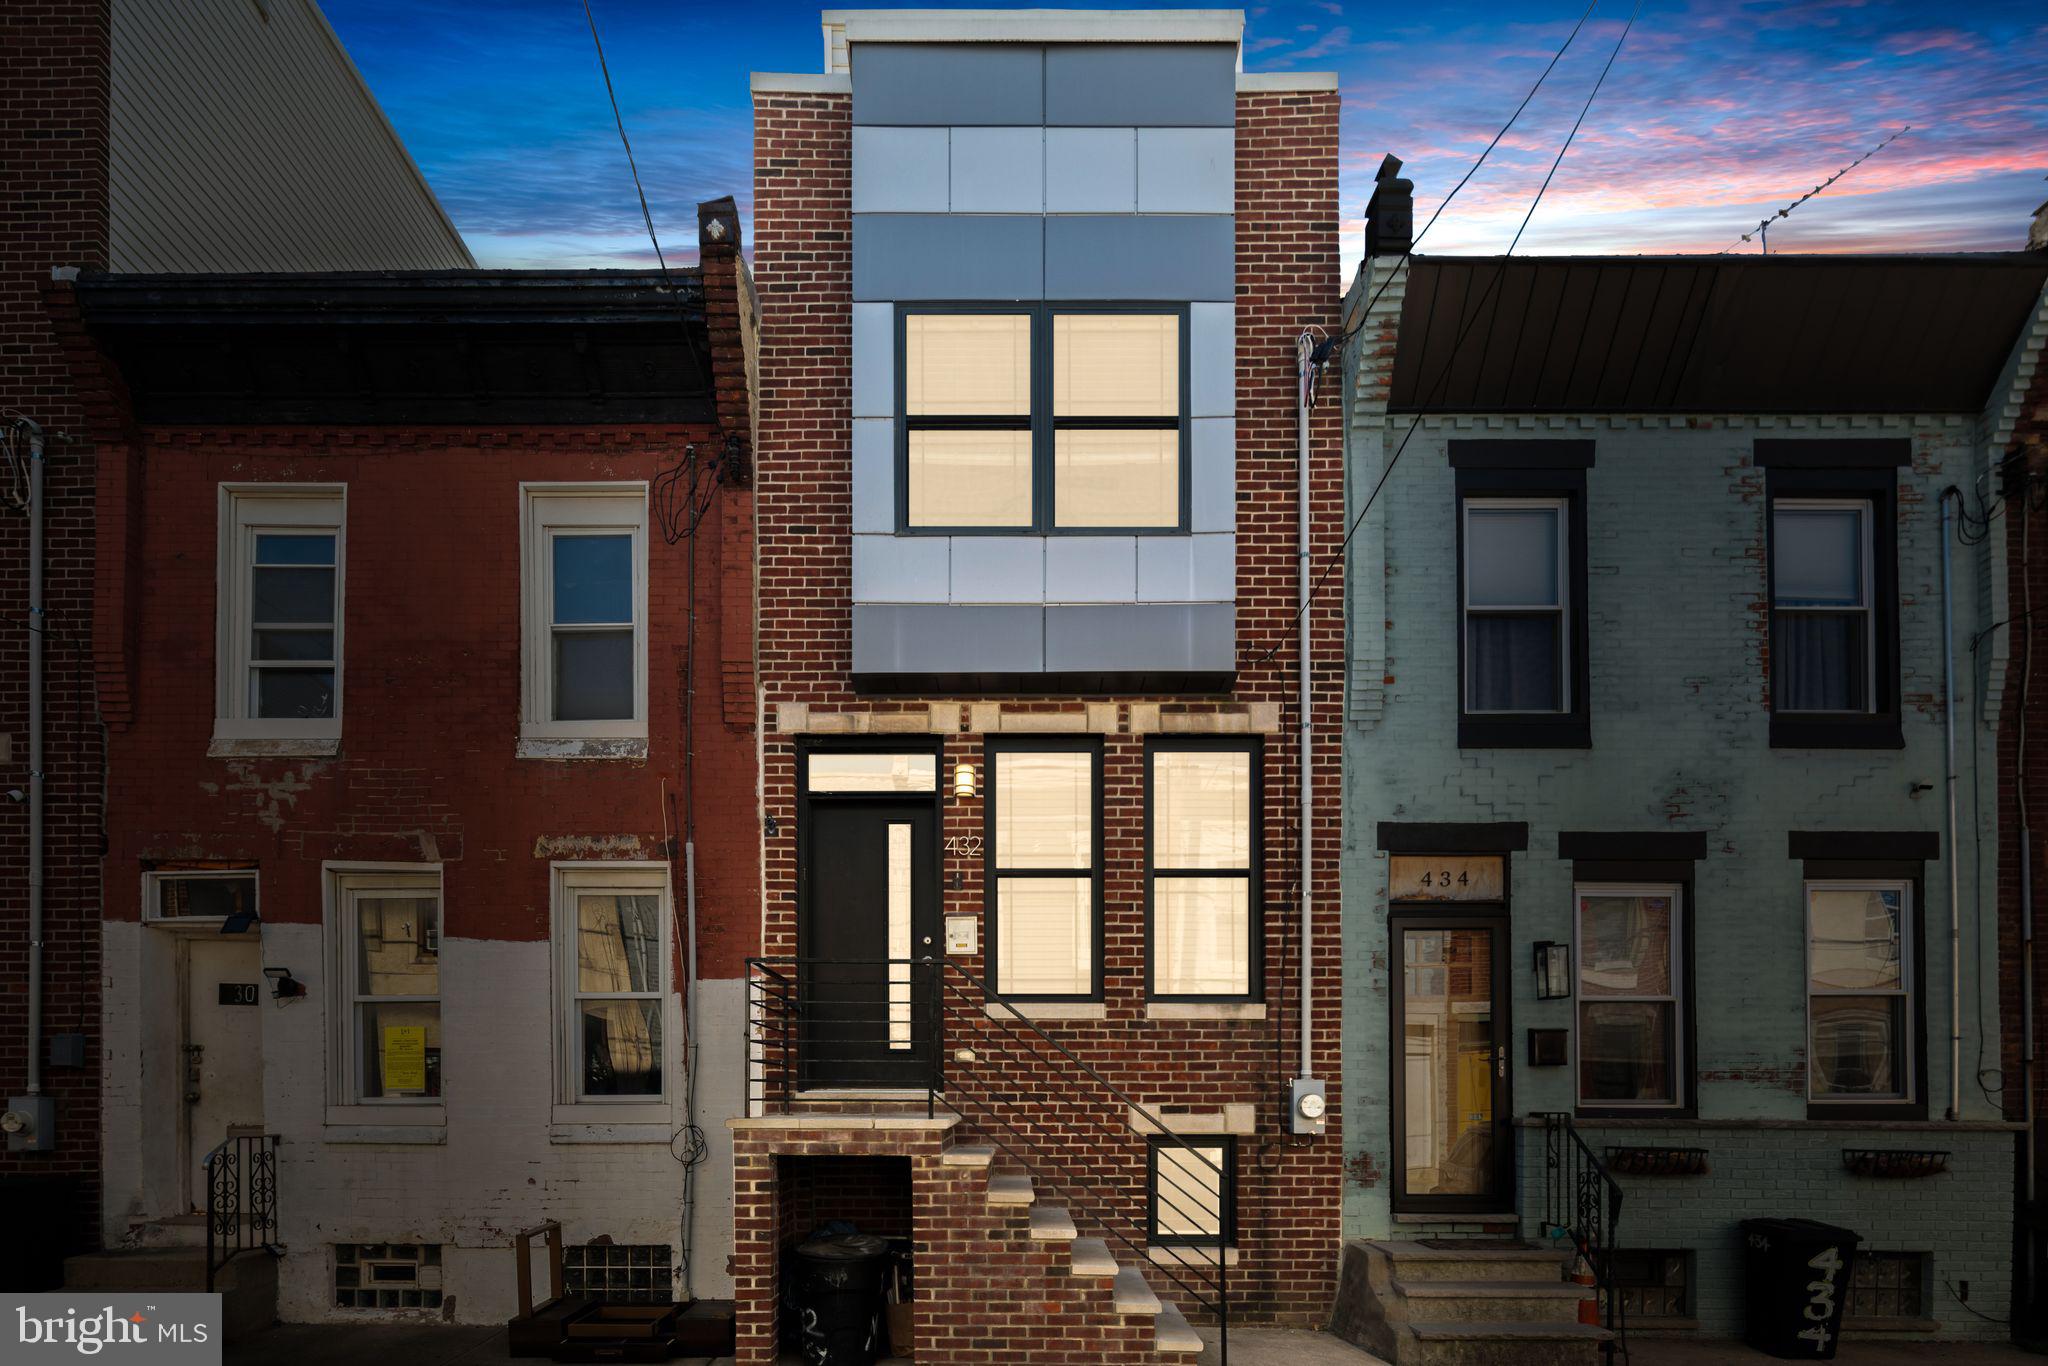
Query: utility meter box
[[1305, 1105]]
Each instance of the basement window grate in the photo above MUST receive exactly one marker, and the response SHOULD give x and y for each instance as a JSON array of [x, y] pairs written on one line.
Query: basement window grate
[[387, 1275], [622, 1273]]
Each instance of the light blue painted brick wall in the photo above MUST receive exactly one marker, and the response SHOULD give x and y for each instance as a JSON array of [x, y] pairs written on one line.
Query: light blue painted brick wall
[[1676, 593]]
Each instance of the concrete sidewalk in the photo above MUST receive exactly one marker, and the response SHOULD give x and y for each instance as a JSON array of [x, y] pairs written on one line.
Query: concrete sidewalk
[[1714, 1352]]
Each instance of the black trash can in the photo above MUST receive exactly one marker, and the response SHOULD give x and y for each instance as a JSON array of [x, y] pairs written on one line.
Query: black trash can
[[1796, 1283], [837, 1296]]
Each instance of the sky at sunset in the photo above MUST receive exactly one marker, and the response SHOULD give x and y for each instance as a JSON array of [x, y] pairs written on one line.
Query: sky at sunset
[[1717, 112]]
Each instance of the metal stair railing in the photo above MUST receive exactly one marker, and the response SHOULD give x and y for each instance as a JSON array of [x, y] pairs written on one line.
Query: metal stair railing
[[1582, 1204], [1022, 1091], [241, 1200]]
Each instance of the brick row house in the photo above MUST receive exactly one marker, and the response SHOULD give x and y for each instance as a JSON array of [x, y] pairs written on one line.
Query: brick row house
[[107, 103], [425, 604], [1050, 968], [1678, 662]]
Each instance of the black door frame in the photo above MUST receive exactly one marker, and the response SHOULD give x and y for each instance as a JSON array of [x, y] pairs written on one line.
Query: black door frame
[[1505, 1196], [807, 804]]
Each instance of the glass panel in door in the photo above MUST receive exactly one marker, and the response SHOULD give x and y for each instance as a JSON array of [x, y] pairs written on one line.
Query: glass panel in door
[[1452, 1146]]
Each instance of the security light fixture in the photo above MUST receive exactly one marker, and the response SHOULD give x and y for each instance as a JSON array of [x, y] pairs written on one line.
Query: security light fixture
[[1553, 971], [966, 781], [283, 984]]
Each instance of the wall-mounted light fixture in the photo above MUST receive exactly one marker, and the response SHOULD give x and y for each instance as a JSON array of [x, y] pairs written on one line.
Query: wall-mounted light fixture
[[966, 781], [283, 984], [1553, 971]]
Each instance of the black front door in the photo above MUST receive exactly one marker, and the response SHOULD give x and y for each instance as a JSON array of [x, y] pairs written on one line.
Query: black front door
[[1453, 1130], [869, 911]]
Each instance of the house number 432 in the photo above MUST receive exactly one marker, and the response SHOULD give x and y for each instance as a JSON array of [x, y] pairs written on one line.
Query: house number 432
[[963, 846]]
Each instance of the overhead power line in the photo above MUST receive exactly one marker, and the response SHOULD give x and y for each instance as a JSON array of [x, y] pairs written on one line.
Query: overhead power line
[[1762, 230], [646, 214]]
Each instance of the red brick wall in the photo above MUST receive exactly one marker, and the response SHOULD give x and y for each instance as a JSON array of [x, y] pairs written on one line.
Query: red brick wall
[[53, 212], [1288, 279], [431, 686]]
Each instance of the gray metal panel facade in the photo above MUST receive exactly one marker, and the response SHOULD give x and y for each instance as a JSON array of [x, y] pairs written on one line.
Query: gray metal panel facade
[[1107, 85], [1147, 638], [1135, 256], [948, 640], [948, 83], [949, 256]]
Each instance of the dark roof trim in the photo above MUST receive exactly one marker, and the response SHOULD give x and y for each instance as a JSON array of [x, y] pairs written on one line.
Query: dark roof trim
[[594, 297], [1452, 837], [1535, 454], [1833, 453]]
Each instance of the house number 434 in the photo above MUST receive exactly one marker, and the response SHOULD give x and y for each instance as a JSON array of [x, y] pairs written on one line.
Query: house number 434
[[1820, 1304]]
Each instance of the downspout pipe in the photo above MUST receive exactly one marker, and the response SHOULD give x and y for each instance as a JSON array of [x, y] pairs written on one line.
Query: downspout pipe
[[1305, 368], [1949, 497], [38, 620]]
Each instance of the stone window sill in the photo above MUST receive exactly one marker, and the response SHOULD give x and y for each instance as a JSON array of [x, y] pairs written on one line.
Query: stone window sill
[[407, 1135], [629, 748], [1048, 1010], [1205, 1010], [570, 1134], [251, 747], [1189, 1256]]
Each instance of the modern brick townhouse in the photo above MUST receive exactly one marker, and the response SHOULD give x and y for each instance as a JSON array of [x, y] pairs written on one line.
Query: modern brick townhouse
[[1050, 980], [125, 150], [1678, 655]]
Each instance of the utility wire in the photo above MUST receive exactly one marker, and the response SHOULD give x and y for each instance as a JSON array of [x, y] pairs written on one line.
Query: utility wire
[[1443, 378], [603, 66], [1763, 229]]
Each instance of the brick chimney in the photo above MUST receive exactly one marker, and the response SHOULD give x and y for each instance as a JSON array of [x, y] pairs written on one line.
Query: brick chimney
[[1390, 213]]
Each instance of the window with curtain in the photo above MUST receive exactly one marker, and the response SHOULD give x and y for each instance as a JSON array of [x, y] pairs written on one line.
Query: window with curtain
[[618, 993], [1517, 580], [1095, 443], [1202, 849], [1192, 1185], [1823, 636], [391, 934], [1630, 988], [1042, 870], [1859, 991]]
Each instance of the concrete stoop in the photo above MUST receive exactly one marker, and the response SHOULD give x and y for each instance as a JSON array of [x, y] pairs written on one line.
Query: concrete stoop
[[247, 1285], [1014, 1206], [1480, 1306]]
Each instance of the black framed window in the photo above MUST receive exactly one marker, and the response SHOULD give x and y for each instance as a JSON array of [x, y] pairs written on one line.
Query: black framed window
[[1632, 1011], [1832, 532], [1042, 418], [1523, 644], [1202, 869], [1860, 990], [1043, 867], [1191, 1191]]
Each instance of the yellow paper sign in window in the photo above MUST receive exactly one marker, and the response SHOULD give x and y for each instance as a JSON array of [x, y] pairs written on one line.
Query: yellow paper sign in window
[[405, 1058]]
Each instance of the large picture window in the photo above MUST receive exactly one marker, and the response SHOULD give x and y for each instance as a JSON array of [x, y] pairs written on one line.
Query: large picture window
[[1202, 861], [1860, 1013], [1043, 869], [1631, 981], [1047, 419]]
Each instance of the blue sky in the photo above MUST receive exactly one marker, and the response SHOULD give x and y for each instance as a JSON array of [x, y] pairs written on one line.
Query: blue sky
[[1717, 112]]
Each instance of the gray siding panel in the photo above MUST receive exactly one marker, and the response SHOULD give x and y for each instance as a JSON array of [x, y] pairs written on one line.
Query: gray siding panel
[[948, 83], [1135, 256], [1109, 85], [942, 256], [1150, 639], [948, 640]]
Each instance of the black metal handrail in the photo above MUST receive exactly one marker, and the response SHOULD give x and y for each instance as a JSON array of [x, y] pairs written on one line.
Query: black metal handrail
[[1582, 1204], [1014, 1096], [241, 1200]]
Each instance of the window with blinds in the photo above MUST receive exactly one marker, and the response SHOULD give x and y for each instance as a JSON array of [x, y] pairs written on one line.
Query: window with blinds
[[1043, 874]]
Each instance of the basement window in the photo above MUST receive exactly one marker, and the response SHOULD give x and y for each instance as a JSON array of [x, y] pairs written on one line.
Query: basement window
[[1655, 1285], [387, 1275], [583, 583], [1885, 1287], [621, 1273], [1191, 1191], [279, 630]]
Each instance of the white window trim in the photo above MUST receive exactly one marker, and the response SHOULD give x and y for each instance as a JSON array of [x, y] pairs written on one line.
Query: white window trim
[[243, 510], [202, 924], [1866, 532], [1677, 997], [344, 1108], [566, 878], [1908, 1041], [1561, 609], [545, 509]]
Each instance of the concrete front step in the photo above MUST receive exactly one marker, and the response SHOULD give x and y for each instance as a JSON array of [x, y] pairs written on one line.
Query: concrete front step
[[1499, 1344], [1490, 1301], [969, 1155], [1172, 1335], [1010, 1189], [1091, 1257], [1410, 1262], [1052, 1224], [1132, 1294], [247, 1284]]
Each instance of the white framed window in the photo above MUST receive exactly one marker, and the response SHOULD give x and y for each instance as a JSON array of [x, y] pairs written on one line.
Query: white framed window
[[614, 1031], [583, 586], [1517, 626], [205, 899], [278, 651], [1823, 627], [384, 961], [1629, 950], [1859, 1003]]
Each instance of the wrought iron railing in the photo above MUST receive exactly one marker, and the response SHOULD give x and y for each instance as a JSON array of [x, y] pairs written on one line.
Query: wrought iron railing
[[241, 1200], [1582, 1205], [1014, 1086]]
